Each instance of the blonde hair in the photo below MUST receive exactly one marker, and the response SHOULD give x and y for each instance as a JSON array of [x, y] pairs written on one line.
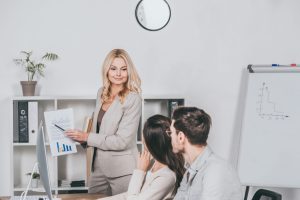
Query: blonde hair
[[133, 83]]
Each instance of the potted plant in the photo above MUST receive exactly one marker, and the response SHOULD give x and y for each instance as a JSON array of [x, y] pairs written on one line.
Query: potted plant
[[35, 179], [32, 68]]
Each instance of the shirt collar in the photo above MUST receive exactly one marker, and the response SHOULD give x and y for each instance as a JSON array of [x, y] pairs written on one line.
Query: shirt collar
[[198, 162]]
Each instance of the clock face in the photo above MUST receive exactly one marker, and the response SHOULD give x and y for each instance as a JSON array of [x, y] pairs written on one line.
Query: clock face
[[153, 15]]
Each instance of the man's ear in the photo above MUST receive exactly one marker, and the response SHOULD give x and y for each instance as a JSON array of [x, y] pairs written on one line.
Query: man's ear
[[181, 137]]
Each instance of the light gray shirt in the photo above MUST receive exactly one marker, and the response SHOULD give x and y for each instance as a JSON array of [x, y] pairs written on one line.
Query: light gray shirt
[[209, 178]]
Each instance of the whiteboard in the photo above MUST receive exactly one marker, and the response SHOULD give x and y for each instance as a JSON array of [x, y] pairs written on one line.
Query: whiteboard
[[269, 152]]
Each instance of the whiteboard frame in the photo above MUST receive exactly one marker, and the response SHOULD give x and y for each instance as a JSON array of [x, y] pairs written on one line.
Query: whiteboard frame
[[244, 90]]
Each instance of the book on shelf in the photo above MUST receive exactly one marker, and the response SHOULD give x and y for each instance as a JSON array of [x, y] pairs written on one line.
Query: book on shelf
[[25, 121], [139, 133], [87, 127], [33, 121], [173, 104], [69, 183], [78, 183], [15, 122]]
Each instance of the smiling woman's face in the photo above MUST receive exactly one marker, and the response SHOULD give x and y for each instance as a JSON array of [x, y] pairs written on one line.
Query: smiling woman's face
[[118, 73]]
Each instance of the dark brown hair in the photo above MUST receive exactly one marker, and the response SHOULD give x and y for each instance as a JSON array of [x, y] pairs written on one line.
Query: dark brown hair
[[194, 123], [159, 145]]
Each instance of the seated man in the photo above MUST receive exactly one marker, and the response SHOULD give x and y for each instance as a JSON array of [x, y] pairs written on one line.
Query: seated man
[[208, 177]]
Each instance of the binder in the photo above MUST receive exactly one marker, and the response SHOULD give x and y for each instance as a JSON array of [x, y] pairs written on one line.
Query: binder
[[15, 122], [173, 104], [32, 121], [23, 121]]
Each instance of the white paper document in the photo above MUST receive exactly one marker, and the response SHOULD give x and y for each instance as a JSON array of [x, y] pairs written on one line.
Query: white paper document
[[56, 122]]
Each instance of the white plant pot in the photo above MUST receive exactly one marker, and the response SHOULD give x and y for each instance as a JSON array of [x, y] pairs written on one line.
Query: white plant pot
[[34, 183]]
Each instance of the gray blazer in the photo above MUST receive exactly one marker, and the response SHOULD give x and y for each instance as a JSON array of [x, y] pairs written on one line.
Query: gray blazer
[[116, 142]]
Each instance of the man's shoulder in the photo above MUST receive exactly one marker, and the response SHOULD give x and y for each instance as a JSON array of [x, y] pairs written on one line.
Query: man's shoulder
[[219, 175], [216, 164], [216, 160]]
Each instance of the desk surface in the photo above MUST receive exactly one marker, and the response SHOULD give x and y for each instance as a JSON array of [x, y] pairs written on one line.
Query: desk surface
[[82, 196]]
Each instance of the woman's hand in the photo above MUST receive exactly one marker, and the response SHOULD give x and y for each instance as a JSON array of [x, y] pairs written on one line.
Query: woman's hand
[[143, 162], [77, 135]]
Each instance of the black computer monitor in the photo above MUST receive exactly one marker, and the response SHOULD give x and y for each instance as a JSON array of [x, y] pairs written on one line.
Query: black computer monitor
[[42, 161]]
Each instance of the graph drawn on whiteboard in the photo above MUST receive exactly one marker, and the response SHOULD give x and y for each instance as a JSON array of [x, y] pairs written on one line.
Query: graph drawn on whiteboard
[[267, 108]]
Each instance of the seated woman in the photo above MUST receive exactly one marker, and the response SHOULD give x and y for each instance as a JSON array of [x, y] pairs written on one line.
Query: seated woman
[[164, 176]]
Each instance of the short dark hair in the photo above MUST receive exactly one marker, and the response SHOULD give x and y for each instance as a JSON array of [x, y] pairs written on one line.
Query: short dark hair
[[194, 123]]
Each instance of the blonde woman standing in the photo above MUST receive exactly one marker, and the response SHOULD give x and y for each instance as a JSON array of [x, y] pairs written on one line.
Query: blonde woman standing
[[115, 125]]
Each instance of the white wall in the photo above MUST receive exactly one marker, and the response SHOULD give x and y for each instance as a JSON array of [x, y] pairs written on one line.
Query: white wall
[[201, 54]]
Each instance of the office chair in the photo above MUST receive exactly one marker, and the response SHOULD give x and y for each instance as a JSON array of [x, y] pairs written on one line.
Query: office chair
[[266, 193]]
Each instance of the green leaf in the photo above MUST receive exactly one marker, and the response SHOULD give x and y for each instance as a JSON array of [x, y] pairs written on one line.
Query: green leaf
[[34, 175], [41, 72], [28, 54], [50, 56], [19, 61], [32, 67], [40, 66]]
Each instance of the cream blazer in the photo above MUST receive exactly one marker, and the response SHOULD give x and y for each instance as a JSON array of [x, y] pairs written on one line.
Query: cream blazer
[[116, 142], [155, 186]]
